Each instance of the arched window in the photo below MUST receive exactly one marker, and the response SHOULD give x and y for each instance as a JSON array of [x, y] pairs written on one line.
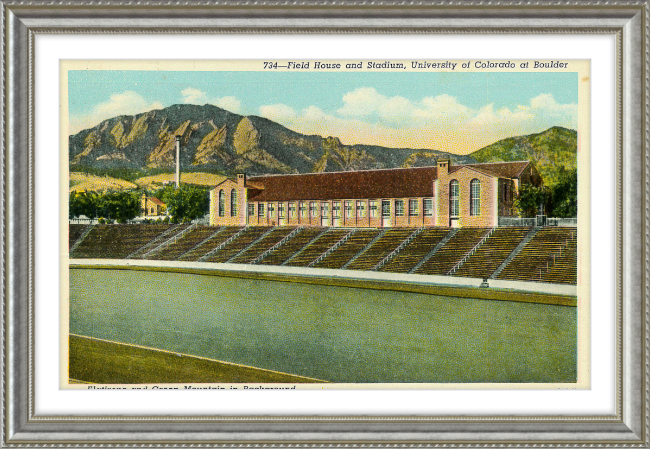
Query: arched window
[[475, 197], [222, 203], [233, 203], [454, 199]]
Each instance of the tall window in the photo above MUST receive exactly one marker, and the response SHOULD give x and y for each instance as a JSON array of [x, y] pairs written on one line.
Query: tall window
[[222, 203], [325, 209], [281, 210], [303, 210], [361, 209], [348, 209], [399, 208], [260, 209], [233, 203], [374, 209], [475, 197], [454, 200], [271, 210], [251, 210], [292, 210], [336, 208], [428, 207], [414, 210], [385, 208], [313, 207]]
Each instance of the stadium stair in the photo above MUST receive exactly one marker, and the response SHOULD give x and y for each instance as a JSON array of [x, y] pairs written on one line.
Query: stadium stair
[[536, 258], [380, 249], [317, 247], [435, 249], [453, 251], [284, 240], [294, 247], [514, 252], [396, 251], [75, 238], [415, 251], [227, 251], [209, 244], [269, 238], [339, 257], [181, 230]]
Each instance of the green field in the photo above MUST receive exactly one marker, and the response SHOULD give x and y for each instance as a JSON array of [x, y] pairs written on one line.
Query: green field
[[328, 332], [99, 361]]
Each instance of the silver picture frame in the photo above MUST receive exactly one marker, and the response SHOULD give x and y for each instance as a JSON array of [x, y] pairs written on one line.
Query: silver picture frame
[[629, 21]]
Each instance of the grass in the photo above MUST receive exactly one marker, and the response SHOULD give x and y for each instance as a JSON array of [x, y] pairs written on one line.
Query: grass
[[82, 181], [99, 361], [200, 179], [429, 289]]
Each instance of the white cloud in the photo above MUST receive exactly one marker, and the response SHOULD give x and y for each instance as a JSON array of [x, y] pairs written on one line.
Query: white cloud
[[124, 103], [440, 122], [279, 112], [231, 104], [192, 95]]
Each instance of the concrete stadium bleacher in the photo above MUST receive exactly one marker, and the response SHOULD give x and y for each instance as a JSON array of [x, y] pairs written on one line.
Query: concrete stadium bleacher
[[415, 251], [74, 232], [220, 235], [549, 256], [381, 248], [183, 244], [492, 252], [536, 257], [565, 265], [112, 241], [340, 256], [318, 247], [265, 243], [248, 236], [291, 247], [450, 254]]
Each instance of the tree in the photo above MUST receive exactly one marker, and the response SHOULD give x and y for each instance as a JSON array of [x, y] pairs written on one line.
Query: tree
[[530, 198], [565, 194], [120, 206], [83, 203], [185, 203]]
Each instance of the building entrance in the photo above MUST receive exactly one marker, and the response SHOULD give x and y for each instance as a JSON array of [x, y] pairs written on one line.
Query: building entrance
[[385, 214], [324, 214]]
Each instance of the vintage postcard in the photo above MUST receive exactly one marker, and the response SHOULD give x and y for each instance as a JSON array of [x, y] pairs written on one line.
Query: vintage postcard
[[325, 224]]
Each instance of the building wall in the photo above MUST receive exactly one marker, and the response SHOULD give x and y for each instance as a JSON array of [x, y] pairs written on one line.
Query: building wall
[[488, 216], [496, 199], [226, 218]]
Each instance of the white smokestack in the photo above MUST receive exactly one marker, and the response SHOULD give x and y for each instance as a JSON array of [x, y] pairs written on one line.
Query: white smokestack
[[178, 161]]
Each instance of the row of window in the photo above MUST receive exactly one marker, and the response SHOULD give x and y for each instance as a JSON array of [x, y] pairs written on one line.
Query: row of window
[[474, 198], [312, 208], [413, 205]]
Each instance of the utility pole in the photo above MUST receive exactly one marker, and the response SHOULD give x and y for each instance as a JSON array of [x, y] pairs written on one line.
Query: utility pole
[[178, 162]]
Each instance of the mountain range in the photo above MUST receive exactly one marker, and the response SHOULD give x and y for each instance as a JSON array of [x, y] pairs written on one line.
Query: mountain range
[[216, 140]]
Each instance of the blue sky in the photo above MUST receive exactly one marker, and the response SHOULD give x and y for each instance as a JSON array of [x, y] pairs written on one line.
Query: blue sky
[[450, 111]]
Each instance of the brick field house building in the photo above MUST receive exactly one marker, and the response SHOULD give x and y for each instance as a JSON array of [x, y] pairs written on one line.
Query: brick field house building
[[473, 195]]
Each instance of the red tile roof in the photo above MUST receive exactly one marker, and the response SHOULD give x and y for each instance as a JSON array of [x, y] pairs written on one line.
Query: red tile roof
[[501, 169], [155, 200], [390, 183]]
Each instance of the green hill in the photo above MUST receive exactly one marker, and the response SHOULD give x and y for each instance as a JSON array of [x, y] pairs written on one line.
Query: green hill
[[549, 150]]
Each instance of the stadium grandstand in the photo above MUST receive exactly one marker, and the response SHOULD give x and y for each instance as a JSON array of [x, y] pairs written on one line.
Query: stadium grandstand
[[531, 254]]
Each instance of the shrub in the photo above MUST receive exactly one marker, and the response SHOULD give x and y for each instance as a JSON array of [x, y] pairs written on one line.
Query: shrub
[[101, 220]]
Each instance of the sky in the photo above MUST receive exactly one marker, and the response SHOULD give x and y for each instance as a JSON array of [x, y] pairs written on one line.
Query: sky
[[448, 111]]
